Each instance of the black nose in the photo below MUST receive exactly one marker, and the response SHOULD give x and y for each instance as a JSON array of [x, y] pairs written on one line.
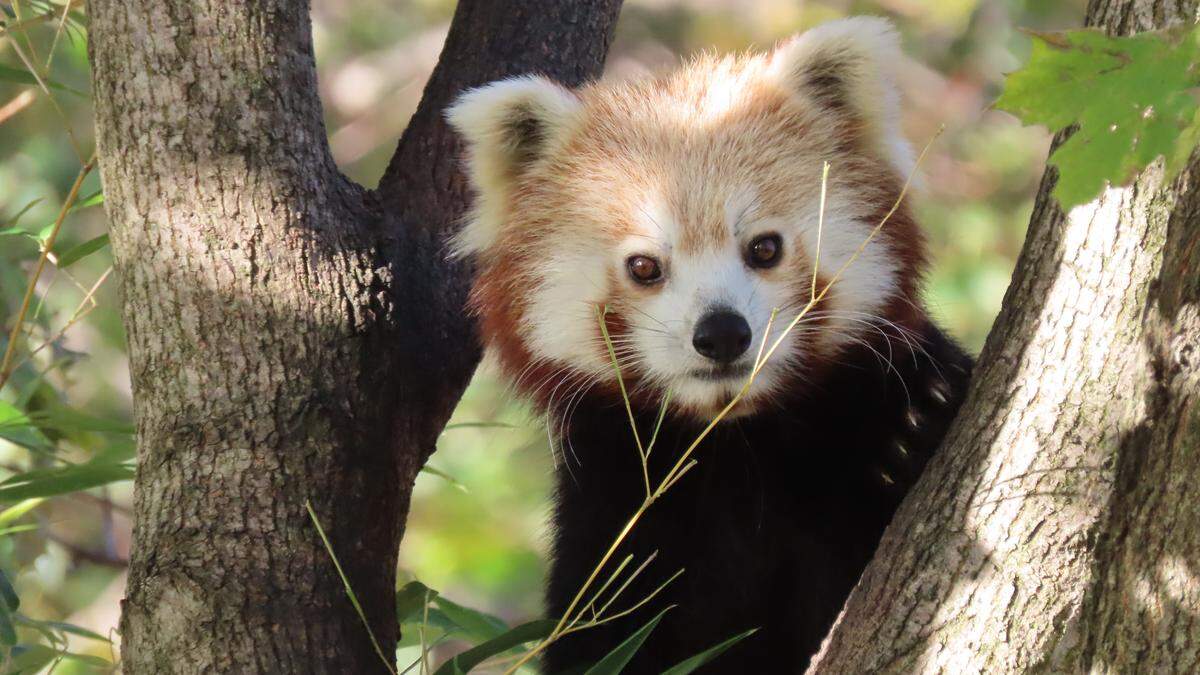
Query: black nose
[[722, 336]]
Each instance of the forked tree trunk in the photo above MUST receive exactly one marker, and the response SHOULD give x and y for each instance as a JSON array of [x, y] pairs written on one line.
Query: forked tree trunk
[[1058, 530], [292, 336]]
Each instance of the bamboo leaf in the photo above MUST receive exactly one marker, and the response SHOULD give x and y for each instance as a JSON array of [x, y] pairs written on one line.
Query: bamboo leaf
[[62, 418], [8, 633], [30, 658], [526, 632], [63, 480], [688, 665], [8, 594], [411, 599], [77, 253], [433, 471], [12, 222], [477, 624], [22, 76], [61, 627], [17, 428], [616, 660], [480, 425], [15, 511]]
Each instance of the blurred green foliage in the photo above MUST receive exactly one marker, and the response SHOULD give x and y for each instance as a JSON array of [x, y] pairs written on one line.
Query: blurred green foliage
[[479, 538]]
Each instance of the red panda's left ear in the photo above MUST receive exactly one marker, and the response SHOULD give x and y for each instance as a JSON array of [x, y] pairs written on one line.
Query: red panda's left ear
[[508, 127], [848, 68]]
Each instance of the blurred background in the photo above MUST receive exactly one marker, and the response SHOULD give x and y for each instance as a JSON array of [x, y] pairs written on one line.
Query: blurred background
[[477, 530]]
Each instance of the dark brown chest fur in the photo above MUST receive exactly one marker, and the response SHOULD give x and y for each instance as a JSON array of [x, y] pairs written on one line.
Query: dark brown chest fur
[[772, 527]]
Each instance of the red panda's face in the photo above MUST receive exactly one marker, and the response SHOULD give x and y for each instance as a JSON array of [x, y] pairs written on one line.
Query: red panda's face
[[686, 212]]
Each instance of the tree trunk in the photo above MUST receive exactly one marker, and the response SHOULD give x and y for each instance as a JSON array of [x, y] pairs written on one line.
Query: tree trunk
[[1058, 530], [292, 336]]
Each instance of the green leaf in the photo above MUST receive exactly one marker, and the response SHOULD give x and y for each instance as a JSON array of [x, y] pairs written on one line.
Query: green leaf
[[16, 231], [15, 511], [8, 633], [94, 199], [616, 660], [62, 480], [479, 425], [444, 476], [66, 628], [688, 665], [96, 661], [30, 658], [433, 618], [17, 428], [121, 450], [411, 600], [12, 222], [22, 76], [1132, 99], [526, 632], [474, 623], [67, 420], [8, 594], [77, 253]]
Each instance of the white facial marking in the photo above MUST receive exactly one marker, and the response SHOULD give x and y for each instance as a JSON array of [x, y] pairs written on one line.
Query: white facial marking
[[662, 319], [561, 316], [865, 284]]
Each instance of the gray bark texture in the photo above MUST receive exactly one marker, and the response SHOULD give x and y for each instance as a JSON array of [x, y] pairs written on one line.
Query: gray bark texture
[[292, 336], [1058, 530]]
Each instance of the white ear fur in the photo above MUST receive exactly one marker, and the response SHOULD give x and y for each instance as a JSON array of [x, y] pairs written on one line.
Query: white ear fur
[[508, 126], [848, 66]]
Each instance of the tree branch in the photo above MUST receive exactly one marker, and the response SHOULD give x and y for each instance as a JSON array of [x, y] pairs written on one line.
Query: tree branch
[[565, 40], [1044, 537], [424, 191]]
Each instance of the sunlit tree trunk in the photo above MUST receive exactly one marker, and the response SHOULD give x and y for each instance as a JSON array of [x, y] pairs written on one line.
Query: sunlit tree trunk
[[1058, 530], [293, 337]]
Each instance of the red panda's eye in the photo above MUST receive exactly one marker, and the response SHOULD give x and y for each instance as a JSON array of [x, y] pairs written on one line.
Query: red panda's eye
[[643, 269], [764, 251]]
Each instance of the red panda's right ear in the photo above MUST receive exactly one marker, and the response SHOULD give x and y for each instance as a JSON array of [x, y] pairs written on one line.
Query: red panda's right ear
[[848, 68], [508, 127]]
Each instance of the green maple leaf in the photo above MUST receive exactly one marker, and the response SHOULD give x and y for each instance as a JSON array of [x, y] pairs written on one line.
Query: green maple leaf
[[1133, 99]]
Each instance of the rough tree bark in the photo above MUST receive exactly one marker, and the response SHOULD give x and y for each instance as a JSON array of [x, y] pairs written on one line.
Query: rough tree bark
[[292, 336], [1059, 529]]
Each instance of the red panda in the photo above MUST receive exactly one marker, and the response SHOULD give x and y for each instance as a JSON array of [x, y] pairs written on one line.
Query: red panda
[[685, 210]]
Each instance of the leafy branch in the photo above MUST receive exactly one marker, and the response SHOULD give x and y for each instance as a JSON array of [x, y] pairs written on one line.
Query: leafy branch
[[1130, 101]]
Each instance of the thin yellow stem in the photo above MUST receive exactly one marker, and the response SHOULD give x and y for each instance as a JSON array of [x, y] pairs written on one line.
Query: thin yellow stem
[[58, 31], [820, 228], [80, 312], [861, 247], [604, 587], [612, 355], [41, 18], [50, 97], [662, 414], [16, 8], [388, 664], [624, 585], [6, 364], [566, 617], [421, 633]]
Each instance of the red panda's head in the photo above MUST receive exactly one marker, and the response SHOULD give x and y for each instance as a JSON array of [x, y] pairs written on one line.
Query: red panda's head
[[688, 206]]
